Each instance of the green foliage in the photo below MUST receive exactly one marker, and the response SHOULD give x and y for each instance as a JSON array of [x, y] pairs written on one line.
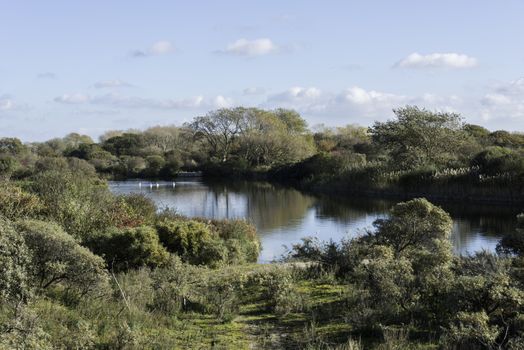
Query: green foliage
[[8, 165], [241, 240], [212, 243], [14, 263], [174, 287], [11, 146], [133, 210], [420, 137], [254, 137], [279, 291], [16, 203], [498, 160], [413, 225], [126, 144], [78, 203], [193, 241], [473, 328], [129, 248], [56, 258]]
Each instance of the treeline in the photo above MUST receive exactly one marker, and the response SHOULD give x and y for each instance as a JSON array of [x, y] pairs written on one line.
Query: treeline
[[419, 152], [234, 140]]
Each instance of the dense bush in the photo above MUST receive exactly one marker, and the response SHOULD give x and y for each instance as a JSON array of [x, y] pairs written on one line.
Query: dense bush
[[193, 241], [241, 240], [129, 248], [16, 203], [210, 243], [499, 160], [56, 258], [14, 264], [278, 289]]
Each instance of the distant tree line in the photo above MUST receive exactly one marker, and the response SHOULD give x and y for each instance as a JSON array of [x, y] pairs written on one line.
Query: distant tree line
[[417, 149]]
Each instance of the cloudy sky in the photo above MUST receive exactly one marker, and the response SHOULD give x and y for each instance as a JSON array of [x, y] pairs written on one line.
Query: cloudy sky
[[90, 66]]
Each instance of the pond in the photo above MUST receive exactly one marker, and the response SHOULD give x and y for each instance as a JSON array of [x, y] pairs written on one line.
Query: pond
[[284, 215]]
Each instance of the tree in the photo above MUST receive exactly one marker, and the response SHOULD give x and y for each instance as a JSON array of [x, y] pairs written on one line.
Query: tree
[[220, 129], [8, 165], [56, 258], [165, 138], [73, 140], [79, 203], [479, 133], [154, 165], [486, 302], [413, 225], [294, 123], [418, 137], [11, 146], [126, 144], [506, 139]]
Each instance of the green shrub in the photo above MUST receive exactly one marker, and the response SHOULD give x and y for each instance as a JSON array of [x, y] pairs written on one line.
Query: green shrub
[[129, 248], [497, 160], [193, 241], [472, 329], [16, 203], [278, 288], [132, 210], [56, 258], [81, 205], [14, 264], [241, 239], [65, 328], [175, 286], [8, 165]]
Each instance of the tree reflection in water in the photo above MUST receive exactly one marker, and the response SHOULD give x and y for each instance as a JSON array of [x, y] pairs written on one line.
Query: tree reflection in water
[[284, 215]]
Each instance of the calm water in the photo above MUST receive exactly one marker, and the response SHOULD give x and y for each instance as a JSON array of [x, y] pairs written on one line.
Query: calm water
[[284, 215]]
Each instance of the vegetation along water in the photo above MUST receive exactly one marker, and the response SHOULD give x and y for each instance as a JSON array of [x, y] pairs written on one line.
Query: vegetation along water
[[90, 262]]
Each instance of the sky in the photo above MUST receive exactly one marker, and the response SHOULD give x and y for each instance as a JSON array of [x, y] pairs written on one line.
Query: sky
[[93, 66]]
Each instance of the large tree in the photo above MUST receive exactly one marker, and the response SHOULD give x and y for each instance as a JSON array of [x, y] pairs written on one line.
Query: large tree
[[220, 128], [418, 137]]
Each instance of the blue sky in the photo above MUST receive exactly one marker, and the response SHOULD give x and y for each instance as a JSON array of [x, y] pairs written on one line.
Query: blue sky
[[94, 65]]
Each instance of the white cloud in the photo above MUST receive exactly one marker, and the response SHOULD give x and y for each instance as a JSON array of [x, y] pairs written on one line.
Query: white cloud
[[307, 100], [504, 101], [161, 47], [254, 91], [116, 100], [437, 60], [361, 105], [116, 83], [250, 48], [76, 98], [134, 102], [295, 94], [222, 102]]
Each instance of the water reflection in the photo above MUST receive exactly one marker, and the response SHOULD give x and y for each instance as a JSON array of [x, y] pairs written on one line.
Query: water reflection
[[284, 215]]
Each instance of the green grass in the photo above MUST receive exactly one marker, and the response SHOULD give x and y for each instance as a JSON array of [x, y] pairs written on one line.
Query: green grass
[[317, 323]]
